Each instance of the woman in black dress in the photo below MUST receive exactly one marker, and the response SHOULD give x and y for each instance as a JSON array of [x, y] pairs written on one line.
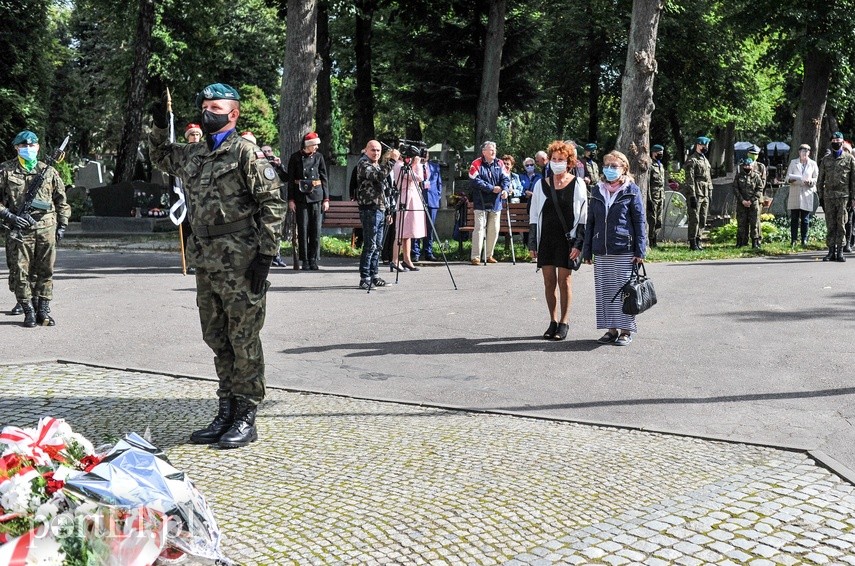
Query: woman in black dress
[[560, 232]]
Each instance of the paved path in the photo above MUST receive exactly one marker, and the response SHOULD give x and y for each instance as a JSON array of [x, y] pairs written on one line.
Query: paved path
[[344, 481], [758, 350]]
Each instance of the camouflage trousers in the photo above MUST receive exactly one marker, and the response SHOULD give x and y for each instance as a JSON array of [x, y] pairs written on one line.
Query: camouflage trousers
[[232, 317], [747, 223], [835, 220], [654, 213], [698, 217], [31, 263]]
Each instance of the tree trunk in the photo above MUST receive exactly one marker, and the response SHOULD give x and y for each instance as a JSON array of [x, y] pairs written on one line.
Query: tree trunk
[[488, 99], [716, 153], [299, 75], [636, 104], [132, 120], [729, 135], [677, 134], [363, 93], [323, 113], [808, 122]]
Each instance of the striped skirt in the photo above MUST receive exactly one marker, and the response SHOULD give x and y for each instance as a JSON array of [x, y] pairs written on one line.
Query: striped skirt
[[610, 273]]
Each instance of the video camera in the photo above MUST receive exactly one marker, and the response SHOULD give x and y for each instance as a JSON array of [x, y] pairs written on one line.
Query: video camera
[[410, 149]]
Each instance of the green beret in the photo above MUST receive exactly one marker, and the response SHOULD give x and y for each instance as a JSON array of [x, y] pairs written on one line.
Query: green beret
[[590, 147], [658, 147], [25, 137], [216, 91], [837, 135], [703, 140]]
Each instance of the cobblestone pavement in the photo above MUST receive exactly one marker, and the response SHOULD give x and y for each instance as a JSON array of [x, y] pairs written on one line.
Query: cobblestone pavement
[[336, 480]]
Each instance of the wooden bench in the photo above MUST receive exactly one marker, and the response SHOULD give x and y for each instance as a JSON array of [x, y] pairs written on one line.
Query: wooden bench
[[519, 223], [343, 214]]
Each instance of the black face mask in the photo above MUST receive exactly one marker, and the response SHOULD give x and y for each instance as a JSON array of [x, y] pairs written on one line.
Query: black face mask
[[836, 145], [657, 156], [213, 122]]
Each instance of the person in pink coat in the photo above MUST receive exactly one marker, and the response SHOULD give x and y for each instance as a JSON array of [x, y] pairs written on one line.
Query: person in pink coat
[[410, 220]]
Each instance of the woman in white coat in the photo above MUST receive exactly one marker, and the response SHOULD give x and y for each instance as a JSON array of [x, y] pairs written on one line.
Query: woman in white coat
[[801, 174]]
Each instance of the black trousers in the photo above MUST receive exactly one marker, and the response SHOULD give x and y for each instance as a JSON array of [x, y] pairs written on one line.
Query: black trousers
[[309, 218]]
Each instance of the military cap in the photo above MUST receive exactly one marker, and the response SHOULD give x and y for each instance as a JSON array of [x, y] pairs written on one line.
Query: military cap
[[25, 136], [216, 91], [837, 135], [804, 146], [702, 140], [754, 150], [657, 147], [590, 147], [193, 129], [311, 139]]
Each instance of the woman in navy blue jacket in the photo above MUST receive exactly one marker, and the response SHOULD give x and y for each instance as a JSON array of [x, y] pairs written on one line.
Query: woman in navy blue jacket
[[616, 236]]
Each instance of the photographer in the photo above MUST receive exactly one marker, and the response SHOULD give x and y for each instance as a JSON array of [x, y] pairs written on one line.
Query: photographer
[[371, 175], [410, 220], [308, 196]]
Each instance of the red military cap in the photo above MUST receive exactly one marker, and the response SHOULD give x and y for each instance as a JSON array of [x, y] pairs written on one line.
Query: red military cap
[[311, 139]]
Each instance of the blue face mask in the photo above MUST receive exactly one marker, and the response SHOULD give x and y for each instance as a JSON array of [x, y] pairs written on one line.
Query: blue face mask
[[611, 173], [28, 153], [529, 168]]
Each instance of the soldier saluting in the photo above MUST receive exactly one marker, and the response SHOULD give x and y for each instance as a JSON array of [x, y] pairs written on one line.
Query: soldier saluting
[[31, 258], [236, 210]]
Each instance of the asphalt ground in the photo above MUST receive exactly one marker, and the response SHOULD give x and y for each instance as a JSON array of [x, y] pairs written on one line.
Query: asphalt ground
[[756, 350]]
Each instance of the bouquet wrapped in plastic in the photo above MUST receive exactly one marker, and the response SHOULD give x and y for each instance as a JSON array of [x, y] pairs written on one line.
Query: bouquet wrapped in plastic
[[63, 502]]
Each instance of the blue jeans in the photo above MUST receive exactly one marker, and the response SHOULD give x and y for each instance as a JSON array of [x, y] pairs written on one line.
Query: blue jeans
[[373, 224]]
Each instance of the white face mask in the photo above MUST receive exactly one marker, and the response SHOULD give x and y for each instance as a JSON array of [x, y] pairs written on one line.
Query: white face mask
[[558, 167]]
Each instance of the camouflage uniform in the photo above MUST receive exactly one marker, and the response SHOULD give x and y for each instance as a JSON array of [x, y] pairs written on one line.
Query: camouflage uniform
[[748, 185], [835, 186], [655, 199], [235, 207], [699, 186], [31, 261]]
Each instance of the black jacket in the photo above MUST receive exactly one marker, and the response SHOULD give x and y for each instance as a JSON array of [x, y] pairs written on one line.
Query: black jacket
[[302, 167]]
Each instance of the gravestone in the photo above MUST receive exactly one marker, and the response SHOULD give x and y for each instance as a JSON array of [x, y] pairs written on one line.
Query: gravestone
[[674, 215], [779, 203], [90, 175]]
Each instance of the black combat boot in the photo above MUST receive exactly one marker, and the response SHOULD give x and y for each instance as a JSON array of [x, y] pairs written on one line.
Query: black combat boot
[[838, 256], [42, 310], [17, 309], [832, 254], [29, 315], [221, 423], [243, 430], [693, 245]]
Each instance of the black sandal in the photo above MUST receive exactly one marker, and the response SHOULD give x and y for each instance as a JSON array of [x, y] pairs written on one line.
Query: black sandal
[[561, 333], [550, 332], [608, 338]]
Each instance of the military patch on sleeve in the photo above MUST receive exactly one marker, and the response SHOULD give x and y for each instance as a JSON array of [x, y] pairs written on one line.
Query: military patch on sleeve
[[260, 155], [269, 173]]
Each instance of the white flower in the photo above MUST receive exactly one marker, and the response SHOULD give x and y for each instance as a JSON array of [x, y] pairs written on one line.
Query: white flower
[[46, 512], [62, 473], [17, 495]]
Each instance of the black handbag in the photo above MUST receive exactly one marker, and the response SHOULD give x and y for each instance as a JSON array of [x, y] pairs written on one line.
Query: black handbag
[[577, 263], [638, 294]]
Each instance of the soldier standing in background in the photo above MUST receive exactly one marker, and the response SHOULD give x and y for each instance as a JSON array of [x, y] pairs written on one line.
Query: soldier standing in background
[[759, 166], [748, 190], [655, 194], [31, 260], [592, 170], [836, 189], [698, 189], [236, 210]]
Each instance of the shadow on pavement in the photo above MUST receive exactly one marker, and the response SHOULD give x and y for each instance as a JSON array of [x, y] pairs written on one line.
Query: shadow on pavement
[[107, 419], [685, 400], [443, 346]]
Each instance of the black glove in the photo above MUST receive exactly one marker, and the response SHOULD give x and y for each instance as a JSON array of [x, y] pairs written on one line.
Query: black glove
[[60, 233], [257, 272], [16, 221], [159, 114], [693, 202]]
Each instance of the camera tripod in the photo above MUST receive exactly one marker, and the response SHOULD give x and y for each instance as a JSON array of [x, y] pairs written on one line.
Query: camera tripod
[[398, 203]]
